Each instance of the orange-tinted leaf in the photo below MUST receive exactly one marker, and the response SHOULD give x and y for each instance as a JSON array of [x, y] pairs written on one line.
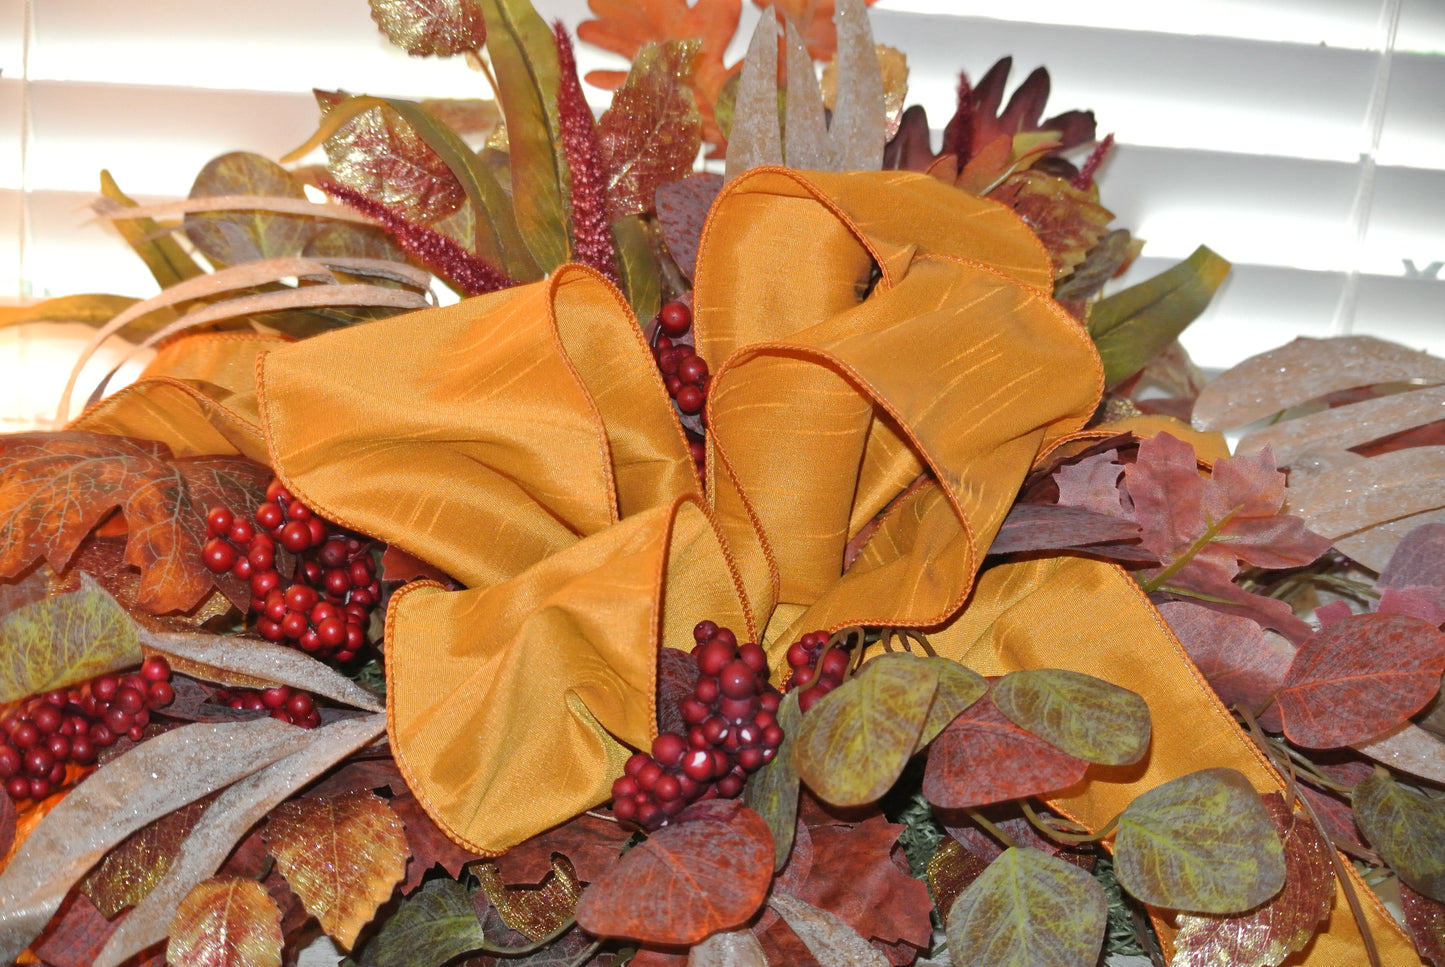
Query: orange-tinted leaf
[[1265, 936], [855, 742], [1356, 679], [382, 156], [983, 758], [1243, 663], [591, 843], [226, 922], [625, 26], [1084, 716], [1202, 842], [651, 133], [343, 856], [826, 936], [1029, 909], [1405, 828], [534, 911], [55, 488], [63, 640], [429, 846], [129, 871], [440, 28], [1068, 221], [1425, 919], [706, 872], [247, 235]]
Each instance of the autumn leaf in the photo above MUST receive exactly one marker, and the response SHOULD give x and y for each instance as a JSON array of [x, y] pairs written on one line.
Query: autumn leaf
[[1407, 829], [1029, 909], [428, 845], [64, 639], [129, 871], [434, 925], [533, 911], [1425, 919], [983, 758], [343, 856], [626, 26], [247, 235], [772, 791], [854, 743], [825, 935], [1202, 843], [227, 922], [1265, 936], [1084, 716], [707, 871], [1067, 220], [1058, 527], [1356, 679], [55, 488], [651, 133], [959, 687], [682, 208], [431, 28], [1243, 664], [731, 948]]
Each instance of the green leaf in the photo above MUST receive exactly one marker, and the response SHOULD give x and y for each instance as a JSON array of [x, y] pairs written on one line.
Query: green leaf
[[1407, 829], [90, 310], [524, 56], [1029, 909], [1084, 716], [233, 237], [772, 791], [496, 237], [1202, 843], [641, 280], [432, 926], [855, 742], [1132, 327], [63, 640], [958, 688], [162, 254]]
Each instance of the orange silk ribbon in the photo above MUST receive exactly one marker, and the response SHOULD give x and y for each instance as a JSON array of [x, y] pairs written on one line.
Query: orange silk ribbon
[[862, 329]]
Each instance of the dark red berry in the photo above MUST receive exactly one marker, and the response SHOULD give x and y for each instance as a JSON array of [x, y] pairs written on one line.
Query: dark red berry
[[218, 556], [674, 318]]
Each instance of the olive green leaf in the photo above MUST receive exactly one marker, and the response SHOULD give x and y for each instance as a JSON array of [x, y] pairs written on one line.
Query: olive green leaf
[[162, 254], [1084, 716], [641, 281], [958, 688], [247, 235], [64, 639], [1407, 829], [772, 791]]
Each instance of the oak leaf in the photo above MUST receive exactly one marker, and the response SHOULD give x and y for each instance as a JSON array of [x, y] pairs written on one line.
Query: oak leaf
[[343, 856], [226, 922], [55, 488]]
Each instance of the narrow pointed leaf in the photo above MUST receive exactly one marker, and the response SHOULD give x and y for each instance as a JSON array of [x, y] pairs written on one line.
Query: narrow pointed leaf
[[163, 256], [772, 791], [855, 742], [754, 138], [1132, 327], [1407, 829], [1202, 843], [64, 639], [982, 758], [1029, 909], [1343, 427], [1358, 678], [1265, 936], [1410, 749], [227, 922], [1084, 716], [342, 856], [857, 132], [827, 937], [707, 871], [641, 280], [731, 948], [159, 775], [804, 124]]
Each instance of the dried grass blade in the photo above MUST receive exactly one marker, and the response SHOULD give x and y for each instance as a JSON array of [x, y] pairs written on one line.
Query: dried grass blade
[[110, 210]]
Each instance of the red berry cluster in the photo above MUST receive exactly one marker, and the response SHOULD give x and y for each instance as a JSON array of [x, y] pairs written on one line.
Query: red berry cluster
[[815, 678], [732, 732], [683, 371], [324, 604], [282, 701], [72, 725]]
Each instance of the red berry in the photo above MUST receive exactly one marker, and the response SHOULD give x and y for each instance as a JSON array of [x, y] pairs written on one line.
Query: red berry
[[294, 625], [104, 687], [82, 750], [9, 761], [155, 669], [299, 511], [59, 747], [689, 399], [39, 789], [118, 719], [134, 733], [738, 709], [269, 629], [241, 532], [704, 630], [693, 369], [218, 521], [668, 748], [299, 704], [317, 529], [218, 556], [129, 700], [295, 536], [300, 598], [729, 786], [18, 788], [736, 680], [331, 632], [159, 694], [714, 654], [674, 318], [625, 809], [624, 787], [835, 663], [634, 763], [276, 490], [803, 676], [47, 718], [751, 759], [333, 553], [24, 735], [38, 762], [262, 556], [270, 516], [648, 775], [338, 581], [101, 735], [706, 690], [242, 568], [667, 789], [808, 697]]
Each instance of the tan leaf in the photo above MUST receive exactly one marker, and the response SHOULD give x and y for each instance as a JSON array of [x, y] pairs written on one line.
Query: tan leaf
[[1341, 427], [226, 922], [422, 28], [342, 856], [731, 948], [826, 936], [1409, 749]]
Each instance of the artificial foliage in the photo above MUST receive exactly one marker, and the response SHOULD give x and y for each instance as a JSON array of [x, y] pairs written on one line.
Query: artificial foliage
[[806, 563]]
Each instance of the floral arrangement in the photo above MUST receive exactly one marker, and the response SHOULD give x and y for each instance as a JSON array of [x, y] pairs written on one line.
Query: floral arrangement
[[802, 564]]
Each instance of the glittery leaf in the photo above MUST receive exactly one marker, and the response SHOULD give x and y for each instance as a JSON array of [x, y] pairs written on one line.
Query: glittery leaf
[[1068, 221], [587, 187], [1029, 909], [651, 133], [1084, 716], [378, 153], [855, 742], [814, 21], [709, 870], [1265, 936], [233, 237], [1202, 843], [893, 65], [1410, 749], [1405, 828], [755, 138], [535, 911], [129, 871], [857, 129], [804, 125], [731, 948], [343, 856], [1425, 919], [825, 935], [227, 922], [63, 640], [55, 488], [440, 28]]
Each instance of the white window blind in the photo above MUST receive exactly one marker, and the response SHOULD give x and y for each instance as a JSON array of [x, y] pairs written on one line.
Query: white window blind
[[1301, 139]]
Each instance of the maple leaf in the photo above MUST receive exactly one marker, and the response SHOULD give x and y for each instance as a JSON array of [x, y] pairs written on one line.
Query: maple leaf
[[430, 847], [591, 843], [651, 133], [77, 934], [343, 856], [1202, 529], [626, 26], [1092, 483], [227, 922], [55, 488]]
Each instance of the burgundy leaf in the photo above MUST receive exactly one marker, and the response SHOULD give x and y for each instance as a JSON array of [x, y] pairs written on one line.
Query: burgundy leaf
[[1048, 527], [981, 757], [1243, 664], [682, 207]]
